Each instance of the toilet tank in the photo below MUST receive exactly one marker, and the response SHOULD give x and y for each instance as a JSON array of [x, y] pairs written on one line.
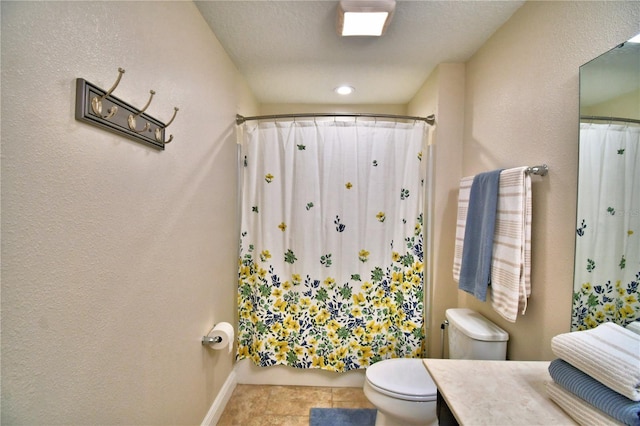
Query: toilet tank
[[472, 336]]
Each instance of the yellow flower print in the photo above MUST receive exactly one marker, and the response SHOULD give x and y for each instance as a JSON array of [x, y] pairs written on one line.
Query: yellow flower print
[[627, 311], [280, 305], [322, 317], [265, 255], [418, 267], [381, 217], [630, 232], [586, 287], [366, 352], [305, 302], [296, 278], [600, 316], [356, 312], [268, 177], [609, 308], [358, 298], [286, 285], [298, 350], [366, 286], [363, 255], [417, 229], [276, 292], [396, 277], [359, 331], [311, 350], [243, 351], [314, 310], [262, 273], [630, 299], [420, 155], [292, 324], [333, 325], [282, 226], [281, 356], [318, 361], [590, 322], [395, 256], [406, 286], [348, 185], [329, 281], [276, 327]]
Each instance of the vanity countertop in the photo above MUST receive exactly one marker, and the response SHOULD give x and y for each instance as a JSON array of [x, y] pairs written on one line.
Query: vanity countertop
[[497, 392]]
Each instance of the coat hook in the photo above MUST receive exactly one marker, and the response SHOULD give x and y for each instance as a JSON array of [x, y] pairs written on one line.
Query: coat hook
[[96, 102], [159, 131], [132, 118]]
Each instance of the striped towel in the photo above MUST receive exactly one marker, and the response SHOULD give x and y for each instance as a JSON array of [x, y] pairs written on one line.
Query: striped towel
[[595, 393], [609, 353], [579, 410], [511, 261], [461, 222]]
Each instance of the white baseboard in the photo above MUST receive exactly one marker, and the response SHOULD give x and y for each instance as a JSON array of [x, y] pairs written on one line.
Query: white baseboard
[[215, 412]]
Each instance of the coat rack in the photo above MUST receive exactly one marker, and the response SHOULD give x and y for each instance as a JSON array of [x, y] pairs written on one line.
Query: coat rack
[[119, 117]]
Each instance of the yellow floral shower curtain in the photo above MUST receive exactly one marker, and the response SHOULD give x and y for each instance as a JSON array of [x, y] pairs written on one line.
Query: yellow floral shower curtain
[[607, 270], [331, 256]]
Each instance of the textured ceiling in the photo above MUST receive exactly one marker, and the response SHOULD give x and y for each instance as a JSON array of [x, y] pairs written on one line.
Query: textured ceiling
[[289, 51]]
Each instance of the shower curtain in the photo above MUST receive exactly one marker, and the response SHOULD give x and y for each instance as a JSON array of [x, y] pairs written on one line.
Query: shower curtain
[[607, 270], [331, 244]]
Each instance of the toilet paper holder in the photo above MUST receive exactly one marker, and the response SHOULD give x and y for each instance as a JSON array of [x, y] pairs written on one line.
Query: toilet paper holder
[[210, 340]]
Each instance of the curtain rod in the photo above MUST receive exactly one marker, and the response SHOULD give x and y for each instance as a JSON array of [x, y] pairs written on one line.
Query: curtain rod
[[240, 119], [621, 119]]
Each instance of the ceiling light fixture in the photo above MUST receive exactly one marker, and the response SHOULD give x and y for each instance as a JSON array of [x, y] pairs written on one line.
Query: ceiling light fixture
[[364, 17], [634, 39], [344, 90]]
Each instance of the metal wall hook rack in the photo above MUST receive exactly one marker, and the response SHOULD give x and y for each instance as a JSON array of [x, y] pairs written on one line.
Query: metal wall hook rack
[[92, 100]]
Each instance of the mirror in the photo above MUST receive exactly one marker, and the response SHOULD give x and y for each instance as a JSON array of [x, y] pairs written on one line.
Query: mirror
[[607, 261]]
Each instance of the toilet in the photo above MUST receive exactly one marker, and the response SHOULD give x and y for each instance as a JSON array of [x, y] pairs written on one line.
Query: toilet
[[401, 388]]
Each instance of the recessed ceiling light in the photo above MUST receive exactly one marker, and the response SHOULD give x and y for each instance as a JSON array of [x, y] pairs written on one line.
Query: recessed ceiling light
[[635, 39], [364, 17], [344, 90]]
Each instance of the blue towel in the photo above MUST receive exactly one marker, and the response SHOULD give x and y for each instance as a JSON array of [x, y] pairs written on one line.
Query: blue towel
[[595, 393], [475, 268]]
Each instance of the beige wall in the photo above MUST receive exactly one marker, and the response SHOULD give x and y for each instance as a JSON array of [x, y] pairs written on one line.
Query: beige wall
[[625, 106], [521, 108], [116, 257], [443, 95]]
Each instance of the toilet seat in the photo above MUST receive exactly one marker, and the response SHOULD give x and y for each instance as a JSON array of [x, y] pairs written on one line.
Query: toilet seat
[[402, 378]]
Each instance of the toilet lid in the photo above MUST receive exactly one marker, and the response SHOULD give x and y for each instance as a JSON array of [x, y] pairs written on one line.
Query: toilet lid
[[402, 378]]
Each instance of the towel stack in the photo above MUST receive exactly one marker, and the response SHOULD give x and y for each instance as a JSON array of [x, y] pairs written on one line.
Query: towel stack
[[596, 377]]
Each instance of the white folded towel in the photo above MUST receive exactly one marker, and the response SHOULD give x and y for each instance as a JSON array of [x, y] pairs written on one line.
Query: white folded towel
[[609, 353], [461, 222], [511, 261], [579, 410]]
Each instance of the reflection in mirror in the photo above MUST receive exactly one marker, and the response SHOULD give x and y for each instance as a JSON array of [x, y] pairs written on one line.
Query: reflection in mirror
[[607, 262]]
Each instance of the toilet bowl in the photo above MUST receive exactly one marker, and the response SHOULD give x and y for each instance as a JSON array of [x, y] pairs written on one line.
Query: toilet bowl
[[402, 391]]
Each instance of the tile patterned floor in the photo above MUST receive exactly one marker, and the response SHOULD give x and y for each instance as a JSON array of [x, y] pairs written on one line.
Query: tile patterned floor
[[285, 405]]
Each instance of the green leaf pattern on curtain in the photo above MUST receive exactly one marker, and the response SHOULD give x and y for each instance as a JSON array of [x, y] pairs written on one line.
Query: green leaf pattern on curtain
[[607, 274], [346, 290]]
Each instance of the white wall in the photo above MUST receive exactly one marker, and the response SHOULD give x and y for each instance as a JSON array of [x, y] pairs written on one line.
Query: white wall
[[116, 257]]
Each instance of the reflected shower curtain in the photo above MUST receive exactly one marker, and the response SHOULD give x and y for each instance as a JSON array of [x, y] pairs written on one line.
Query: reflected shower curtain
[[608, 229], [331, 256]]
